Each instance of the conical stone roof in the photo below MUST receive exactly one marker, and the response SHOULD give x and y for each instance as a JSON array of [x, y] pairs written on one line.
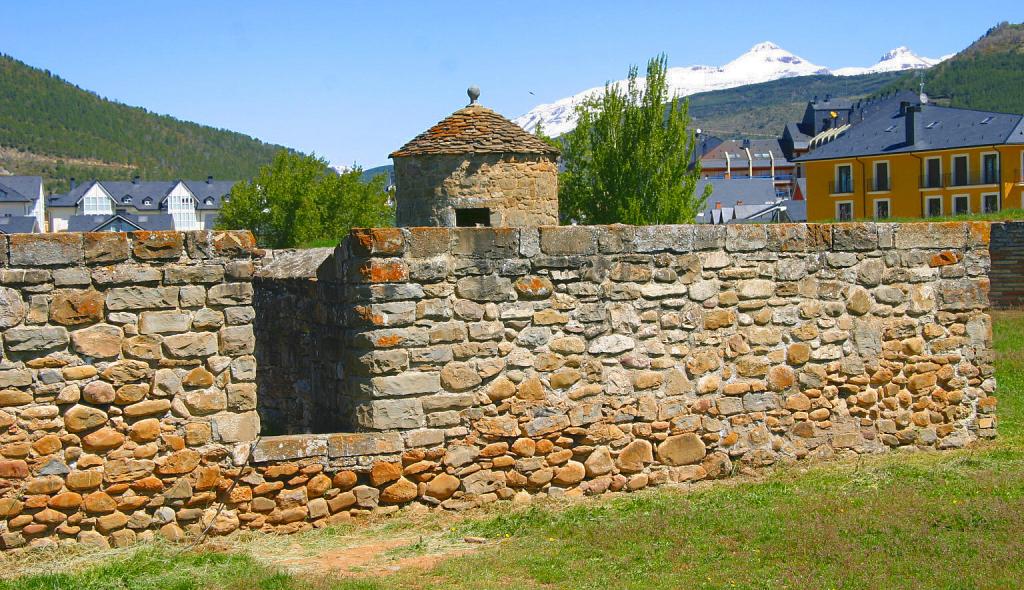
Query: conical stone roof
[[474, 130]]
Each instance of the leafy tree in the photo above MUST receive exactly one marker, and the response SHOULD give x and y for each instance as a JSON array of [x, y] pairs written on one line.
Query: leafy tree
[[299, 200], [538, 132], [628, 160]]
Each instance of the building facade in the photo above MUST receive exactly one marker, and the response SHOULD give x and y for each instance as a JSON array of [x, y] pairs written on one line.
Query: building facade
[[919, 161], [189, 204]]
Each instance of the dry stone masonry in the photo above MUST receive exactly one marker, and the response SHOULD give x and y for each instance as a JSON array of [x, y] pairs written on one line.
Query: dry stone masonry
[[453, 367], [127, 382], [490, 364]]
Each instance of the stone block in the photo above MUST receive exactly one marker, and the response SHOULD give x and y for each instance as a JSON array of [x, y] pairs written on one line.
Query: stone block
[[105, 247], [237, 340], [157, 245], [663, 238], [12, 308], [391, 414], [484, 288], [745, 237], [131, 298], [183, 274], [191, 345], [233, 428], [290, 447], [35, 339], [568, 240], [51, 249], [485, 242], [407, 383], [852, 237], [230, 294], [951, 234], [164, 322], [370, 443]]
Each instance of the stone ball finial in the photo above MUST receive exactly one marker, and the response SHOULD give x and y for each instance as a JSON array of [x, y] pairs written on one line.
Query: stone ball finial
[[474, 93]]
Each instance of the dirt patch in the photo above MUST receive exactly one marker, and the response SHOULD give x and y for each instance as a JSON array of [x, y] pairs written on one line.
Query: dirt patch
[[378, 557]]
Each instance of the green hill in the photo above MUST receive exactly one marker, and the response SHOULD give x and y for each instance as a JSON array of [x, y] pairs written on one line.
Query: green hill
[[988, 75], [54, 129], [762, 110]]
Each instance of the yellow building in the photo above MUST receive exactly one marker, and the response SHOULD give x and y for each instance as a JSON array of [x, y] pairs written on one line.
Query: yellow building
[[921, 161]]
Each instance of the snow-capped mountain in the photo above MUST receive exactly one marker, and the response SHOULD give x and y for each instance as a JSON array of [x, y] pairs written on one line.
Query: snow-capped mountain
[[896, 60], [762, 63]]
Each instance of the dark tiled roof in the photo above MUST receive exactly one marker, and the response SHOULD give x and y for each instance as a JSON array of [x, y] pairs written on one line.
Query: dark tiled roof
[[937, 128], [758, 149], [18, 224], [474, 129], [155, 190], [19, 188], [148, 221], [734, 195]]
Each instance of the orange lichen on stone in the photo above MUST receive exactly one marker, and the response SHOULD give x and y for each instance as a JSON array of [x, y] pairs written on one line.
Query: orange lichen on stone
[[392, 271], [944, 258], [388, 341], [366, 314], [381, 240]]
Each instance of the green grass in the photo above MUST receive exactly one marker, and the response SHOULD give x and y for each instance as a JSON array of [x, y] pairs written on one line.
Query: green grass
[[948, 520]]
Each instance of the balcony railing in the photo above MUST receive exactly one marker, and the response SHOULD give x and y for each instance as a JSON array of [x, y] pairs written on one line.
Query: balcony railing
[[953, 180], [880, 184], [840, 188]]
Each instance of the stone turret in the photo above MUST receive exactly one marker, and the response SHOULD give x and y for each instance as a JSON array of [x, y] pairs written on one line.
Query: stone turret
[[476, 167]]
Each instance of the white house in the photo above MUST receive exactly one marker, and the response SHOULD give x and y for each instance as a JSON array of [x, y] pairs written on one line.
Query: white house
[[21, 204], [191, 204]]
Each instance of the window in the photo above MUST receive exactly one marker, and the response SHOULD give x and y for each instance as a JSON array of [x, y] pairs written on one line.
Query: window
[[961, 205], [933, 173], [882, 209], [147, 201], [990, 168], [844, 179], [990, 203], [96, 202], [881, 181], [475, 217], [933, 206], [208, 201], [959, 170], [126, 199], [844, 210], [182, 207]]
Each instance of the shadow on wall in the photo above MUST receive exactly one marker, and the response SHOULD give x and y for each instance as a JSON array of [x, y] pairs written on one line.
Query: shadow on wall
[[299, 345]]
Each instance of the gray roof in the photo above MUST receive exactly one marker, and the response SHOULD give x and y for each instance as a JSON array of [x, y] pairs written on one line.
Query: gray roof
[[20, 188], [728, 191], [19, 224], [884, 132], [758, 148], [149, 221], [153, 190]]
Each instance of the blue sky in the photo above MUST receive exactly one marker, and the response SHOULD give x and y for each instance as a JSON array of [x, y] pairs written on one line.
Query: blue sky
[[352, 81]]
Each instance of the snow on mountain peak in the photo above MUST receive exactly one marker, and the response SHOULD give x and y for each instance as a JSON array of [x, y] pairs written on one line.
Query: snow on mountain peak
[[763, 62]]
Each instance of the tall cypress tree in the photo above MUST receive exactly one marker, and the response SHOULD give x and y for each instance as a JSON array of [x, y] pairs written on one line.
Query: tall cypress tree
[[629, 158]]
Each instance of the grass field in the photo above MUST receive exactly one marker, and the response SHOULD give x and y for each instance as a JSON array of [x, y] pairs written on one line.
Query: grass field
[[950, 520]]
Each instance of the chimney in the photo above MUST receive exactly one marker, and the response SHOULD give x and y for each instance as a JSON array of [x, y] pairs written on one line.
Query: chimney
[[209, 180], [738, 203], [718, 204], [73, 183], [135, 179], [912, 122], [903, 107]]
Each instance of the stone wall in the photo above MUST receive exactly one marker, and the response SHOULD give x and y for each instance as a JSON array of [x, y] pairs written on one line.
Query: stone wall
[[457, 367], [299, 346], [519, 189], [494, 364], [1007, 273], [127, 382]]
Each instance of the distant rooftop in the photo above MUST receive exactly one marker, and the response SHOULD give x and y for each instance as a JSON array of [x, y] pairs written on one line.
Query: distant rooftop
[[884, 132]]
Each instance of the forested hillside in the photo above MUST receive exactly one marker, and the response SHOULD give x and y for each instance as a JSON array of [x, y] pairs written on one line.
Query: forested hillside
[[988, 75], [51, 128]]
